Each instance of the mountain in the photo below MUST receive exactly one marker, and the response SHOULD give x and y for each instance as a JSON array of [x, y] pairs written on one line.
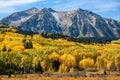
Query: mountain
[[18, 18], [76, 23]]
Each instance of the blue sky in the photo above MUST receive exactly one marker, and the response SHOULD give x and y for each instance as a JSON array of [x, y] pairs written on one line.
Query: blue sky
[[105, 8]]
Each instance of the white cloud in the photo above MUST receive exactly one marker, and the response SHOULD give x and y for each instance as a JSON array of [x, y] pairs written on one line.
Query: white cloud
[[113, 6], [57, 1], [70, 5], [95, 5], [7, 10], [7, 6], [7, 3]]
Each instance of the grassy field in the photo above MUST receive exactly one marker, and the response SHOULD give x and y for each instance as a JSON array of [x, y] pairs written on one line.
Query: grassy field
[[38, 77], [64, 76]]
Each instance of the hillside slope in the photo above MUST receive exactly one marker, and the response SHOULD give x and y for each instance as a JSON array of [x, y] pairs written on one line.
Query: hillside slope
[[21, 53]]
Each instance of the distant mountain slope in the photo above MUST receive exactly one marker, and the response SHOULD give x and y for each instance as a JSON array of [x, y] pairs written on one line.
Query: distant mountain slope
[[77, 23], [18, 18]]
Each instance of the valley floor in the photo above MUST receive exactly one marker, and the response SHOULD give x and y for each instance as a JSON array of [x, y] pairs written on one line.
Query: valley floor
[[54, 76]]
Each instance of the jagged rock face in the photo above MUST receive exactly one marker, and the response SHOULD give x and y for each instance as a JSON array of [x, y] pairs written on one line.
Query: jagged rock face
[[76, 23], [42, 22]]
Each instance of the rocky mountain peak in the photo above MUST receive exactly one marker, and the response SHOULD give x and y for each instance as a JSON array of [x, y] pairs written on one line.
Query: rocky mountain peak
[[75, 23], [51, 10], [44, 10], [32, 10]]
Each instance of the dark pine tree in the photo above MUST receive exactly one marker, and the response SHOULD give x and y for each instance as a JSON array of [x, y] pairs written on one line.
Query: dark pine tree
[[56, 65], [4, 49], [39, 68], [28, 44]]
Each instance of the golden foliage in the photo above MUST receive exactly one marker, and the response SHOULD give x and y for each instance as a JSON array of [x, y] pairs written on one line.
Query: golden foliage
[[54, 56], [63, 68], [47, 50], [44, 65], [68, 60], [71, 70], [20, 47], [37, 46], [86, 63]]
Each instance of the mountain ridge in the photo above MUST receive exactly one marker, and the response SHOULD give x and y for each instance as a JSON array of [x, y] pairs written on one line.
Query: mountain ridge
[[76, 23]]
